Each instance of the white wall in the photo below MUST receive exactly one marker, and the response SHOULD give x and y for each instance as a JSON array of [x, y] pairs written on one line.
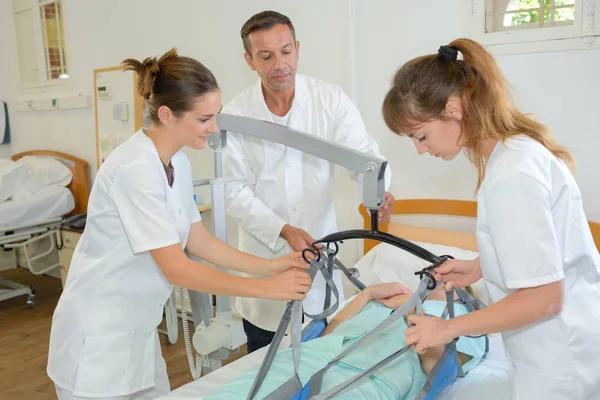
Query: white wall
[[560, 88], [5, 72], [386, 39], [353, 43], [102, 36], [570, 105]]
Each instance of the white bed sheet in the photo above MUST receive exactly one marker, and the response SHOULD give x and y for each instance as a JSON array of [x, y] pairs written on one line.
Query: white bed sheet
[[490, 380], [50, 202]]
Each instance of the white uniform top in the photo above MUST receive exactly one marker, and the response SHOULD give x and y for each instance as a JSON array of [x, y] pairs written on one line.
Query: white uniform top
[[104, 328], [269, 185], [532, 231]]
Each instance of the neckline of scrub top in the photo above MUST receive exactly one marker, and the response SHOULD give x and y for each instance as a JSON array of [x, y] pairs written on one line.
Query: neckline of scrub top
[[170, 171], [170, 179]]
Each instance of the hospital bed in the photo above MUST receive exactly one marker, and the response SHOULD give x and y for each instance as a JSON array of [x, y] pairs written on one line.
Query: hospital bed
[[385, 263], [36, 219], [382, 263]]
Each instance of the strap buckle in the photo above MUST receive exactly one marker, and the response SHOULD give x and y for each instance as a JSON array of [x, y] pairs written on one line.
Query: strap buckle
[[425, 271]]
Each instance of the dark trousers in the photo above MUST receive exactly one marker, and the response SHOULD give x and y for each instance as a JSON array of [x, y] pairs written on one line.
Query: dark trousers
[[257, 337]]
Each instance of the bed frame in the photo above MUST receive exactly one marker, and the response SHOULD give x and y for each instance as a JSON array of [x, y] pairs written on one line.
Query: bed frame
[[22, 237], [459, 208], [79, 185]]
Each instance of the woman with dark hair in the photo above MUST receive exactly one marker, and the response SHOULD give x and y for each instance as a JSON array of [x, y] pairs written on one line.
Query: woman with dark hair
[[141, 217]]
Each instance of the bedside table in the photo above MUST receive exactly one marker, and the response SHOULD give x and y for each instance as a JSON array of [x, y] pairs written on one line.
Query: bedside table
[[69, 238]]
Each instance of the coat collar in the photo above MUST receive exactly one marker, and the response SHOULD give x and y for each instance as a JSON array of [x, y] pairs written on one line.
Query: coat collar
[[298, 113], [259, 106]]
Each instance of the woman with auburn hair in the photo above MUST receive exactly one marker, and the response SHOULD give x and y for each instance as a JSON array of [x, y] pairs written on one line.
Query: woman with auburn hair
[[537, 255]]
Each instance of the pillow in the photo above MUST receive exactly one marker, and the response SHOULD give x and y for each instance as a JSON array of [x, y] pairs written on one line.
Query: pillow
[[41, 172], [12, 176], [386, 263]]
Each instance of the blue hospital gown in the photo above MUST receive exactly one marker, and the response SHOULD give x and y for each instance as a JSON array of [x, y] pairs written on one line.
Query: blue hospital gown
[[403, 378]]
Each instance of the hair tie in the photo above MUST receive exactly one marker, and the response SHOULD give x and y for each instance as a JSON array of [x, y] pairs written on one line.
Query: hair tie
[[448, 52], [150, 71], [152, 65]]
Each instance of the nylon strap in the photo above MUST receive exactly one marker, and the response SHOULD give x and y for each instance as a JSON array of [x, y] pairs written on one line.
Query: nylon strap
[[266, 364], [449, 349], [355, 281], [343, 386], [293, 314], [414, 301]]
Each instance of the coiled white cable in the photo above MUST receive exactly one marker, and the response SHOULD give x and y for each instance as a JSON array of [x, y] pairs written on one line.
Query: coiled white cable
[[171, 318], [195, 367]]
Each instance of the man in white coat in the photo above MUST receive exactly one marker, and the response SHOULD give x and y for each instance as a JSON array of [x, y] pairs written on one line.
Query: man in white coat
[[282, 198]]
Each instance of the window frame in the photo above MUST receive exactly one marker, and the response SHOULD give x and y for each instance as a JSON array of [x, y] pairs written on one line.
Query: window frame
[[584, 33], [41, 50]]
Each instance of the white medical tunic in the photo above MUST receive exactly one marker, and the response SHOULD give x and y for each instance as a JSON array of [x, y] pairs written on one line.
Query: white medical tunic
[[104, 340], [269, 185], [532, 231]]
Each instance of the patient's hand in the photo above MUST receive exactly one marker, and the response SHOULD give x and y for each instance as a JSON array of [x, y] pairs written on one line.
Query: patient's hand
[[387, 290], [379, 292], [398, 301], [389, 294], [394, 302]]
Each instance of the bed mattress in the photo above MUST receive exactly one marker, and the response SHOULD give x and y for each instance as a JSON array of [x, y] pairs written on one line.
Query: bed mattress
[[47, 203]]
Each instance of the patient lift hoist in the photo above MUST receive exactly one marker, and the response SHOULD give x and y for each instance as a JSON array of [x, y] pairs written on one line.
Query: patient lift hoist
[[216, 336]]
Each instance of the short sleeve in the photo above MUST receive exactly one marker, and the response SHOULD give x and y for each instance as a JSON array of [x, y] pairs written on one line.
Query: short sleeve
[[519, 215], [194, 212], [138, 193], [183, 177]]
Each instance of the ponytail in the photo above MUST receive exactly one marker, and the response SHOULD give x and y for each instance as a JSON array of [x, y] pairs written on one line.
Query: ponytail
[[173, 81], [423, 86]]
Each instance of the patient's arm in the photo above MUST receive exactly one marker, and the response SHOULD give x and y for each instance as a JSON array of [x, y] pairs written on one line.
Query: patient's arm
[[398, 301], [375, 292], [349, 311], [392, 295]]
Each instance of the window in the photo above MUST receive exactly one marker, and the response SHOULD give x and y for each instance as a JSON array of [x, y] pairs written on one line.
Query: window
[[503, 15], [514, 26], [40, 37]]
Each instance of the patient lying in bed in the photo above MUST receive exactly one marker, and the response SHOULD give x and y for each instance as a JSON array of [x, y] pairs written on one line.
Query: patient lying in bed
[[403, 378]]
